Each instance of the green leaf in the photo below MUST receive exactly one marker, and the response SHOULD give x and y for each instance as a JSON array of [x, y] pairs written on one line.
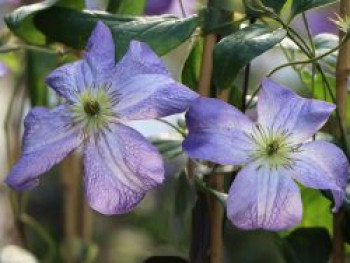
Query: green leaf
[[175, 59], [127, 7], [72, 27], [191, 70], [75, 4], [317, 209], [326, 41], [346, 227], [323, 43], [305, 241], [299, 6], [38, 66], [257, 246], [21, 21], [170, 149], [185, 199], [235, 51], [227, 5], [217, 21], [275, 5]]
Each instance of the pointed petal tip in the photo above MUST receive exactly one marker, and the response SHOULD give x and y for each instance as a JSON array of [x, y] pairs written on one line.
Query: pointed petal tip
[[99, 33], [101, 28], [18, 185], [100, 46]]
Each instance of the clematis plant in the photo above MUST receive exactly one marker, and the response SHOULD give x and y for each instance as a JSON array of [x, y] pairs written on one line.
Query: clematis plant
[[273, 152], [101, 98]]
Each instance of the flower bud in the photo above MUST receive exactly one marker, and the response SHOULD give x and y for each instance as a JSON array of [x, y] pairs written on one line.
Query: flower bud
[[343, 24]]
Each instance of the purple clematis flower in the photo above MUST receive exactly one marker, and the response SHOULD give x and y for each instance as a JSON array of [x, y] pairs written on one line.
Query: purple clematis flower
[[273, 152], [101, 98]]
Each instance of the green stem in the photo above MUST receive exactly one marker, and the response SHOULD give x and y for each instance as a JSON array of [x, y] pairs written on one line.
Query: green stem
[[6, 49], [293, 64], [31, 222], [180, 131], [292, 34], [309, 35], [202, 186], [308, 61], [246, 80]]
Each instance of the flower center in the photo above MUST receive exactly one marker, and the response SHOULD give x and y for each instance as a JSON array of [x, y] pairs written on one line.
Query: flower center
[[92, 107], [272, 147]]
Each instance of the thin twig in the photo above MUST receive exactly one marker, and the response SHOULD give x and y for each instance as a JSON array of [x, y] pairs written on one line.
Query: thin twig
[[308, 61], [181, 132], [40, 230]]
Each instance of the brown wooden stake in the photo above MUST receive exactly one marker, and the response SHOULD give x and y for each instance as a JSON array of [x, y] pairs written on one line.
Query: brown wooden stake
[[215, 208], [86, 220], [204, 84], [342, 73], [199, 243], [71, 175]]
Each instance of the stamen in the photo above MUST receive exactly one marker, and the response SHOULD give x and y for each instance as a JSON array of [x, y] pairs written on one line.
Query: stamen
[[272, 146], [92, 107]]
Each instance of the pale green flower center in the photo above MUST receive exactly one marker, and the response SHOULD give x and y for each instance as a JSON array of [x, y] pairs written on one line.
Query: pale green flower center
[[273, 147], [93, 109]]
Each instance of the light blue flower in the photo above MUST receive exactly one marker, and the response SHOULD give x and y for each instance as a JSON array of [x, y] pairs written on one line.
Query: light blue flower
[[101, 98], [273, 152]]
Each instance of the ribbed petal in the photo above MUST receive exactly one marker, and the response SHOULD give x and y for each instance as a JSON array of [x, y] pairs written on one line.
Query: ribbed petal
[[217, 132], [93, 71], [100, 52], [71, 79], [281, 109], [120, 167], [149, 96], [322, 165], [264, 198], [139, 59], [48, 138]]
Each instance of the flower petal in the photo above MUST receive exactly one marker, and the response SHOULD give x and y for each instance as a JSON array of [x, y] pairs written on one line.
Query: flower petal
[[264, 198], [322, 165], [142, 87], [100, 51], [71, 79], [94, 70], [139, 59], [217, 132], [149, 96], [120, 167], [281, 108], [48, 138]]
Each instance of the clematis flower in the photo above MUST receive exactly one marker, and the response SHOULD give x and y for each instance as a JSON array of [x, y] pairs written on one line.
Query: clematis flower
[[274, 152], [101, 98]]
